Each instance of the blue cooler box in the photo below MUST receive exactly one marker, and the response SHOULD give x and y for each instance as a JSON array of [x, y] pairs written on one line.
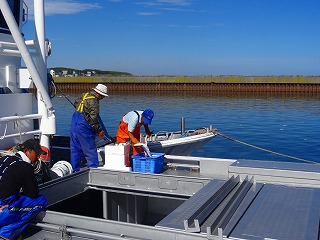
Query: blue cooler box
[[152, 164]]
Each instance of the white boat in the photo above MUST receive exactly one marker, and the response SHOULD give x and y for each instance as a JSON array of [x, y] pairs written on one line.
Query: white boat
[[175, 143], [191, 198]]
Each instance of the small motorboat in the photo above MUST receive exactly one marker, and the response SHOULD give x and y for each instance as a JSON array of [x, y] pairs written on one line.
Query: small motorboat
[[177, 143], [181, 142]]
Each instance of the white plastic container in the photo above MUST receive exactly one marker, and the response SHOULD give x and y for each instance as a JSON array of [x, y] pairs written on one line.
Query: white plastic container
[[117, 156], [118, 148], [116, 162]]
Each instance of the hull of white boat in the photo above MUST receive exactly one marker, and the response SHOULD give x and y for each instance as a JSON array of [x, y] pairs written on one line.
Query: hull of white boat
[[181, 146]]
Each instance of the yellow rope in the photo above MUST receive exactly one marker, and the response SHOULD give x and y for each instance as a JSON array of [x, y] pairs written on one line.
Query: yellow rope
[[266, 150]]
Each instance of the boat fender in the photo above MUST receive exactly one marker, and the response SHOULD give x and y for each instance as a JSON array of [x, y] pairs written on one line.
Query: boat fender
[[62, 168]]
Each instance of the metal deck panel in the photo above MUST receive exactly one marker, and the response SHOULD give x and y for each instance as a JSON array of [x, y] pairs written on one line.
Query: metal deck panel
[[293, 166], [175, 220], [157, 183], [296, 174], [213, 167], [281, 212], [65, 187], [81, 227]]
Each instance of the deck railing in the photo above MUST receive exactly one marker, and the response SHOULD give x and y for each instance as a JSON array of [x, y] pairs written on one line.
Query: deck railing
[[17, 121]]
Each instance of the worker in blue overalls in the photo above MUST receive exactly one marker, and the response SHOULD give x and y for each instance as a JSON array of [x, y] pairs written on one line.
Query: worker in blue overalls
[[20, 201], [85, 126]]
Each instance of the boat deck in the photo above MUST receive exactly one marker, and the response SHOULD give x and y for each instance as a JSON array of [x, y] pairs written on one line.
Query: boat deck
[[195, 198]]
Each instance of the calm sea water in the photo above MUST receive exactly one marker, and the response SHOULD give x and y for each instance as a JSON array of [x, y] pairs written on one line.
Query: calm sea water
[[287, 124]]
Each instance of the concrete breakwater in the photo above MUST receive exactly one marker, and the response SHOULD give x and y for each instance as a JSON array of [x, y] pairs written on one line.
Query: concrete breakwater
[[303, 84]]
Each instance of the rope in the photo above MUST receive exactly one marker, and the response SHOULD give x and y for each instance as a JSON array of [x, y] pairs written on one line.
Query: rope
[[37, 166], [64, 95], [53, 93], [5, 131], [19, 126], [263, 149]]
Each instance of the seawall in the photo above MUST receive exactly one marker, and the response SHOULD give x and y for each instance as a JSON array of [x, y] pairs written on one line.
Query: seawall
[[304, 84]]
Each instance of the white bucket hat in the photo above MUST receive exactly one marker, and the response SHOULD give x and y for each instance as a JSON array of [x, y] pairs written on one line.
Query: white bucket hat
[[101, 89]]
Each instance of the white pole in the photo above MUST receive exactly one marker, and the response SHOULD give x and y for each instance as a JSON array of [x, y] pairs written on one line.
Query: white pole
[[40, 40], [46, 125]]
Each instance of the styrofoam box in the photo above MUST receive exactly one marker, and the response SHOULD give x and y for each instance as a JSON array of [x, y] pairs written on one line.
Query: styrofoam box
[[116, 161], [118, 148], [116, 158]]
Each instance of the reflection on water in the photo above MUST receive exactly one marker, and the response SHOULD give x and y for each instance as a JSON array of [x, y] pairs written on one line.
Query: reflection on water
[[284, 122]]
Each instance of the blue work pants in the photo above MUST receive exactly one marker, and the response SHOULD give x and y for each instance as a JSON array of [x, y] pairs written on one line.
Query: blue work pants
[[82, 141], [18, 215]]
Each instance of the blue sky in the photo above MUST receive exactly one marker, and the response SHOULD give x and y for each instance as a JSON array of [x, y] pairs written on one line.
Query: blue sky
[[185, 37]]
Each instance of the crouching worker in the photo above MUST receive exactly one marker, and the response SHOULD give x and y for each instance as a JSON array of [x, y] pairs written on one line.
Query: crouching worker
[[129, 128], [20, 201]]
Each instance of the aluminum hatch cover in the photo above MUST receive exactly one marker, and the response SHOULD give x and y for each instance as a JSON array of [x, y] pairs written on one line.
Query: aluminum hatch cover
[[281, 212]]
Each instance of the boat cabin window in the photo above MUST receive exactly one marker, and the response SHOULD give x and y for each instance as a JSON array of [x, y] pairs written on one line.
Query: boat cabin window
[[15, 7]]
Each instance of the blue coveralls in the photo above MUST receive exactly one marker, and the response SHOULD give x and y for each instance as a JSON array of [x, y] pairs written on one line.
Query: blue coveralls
[[21, 211], [82, 141]]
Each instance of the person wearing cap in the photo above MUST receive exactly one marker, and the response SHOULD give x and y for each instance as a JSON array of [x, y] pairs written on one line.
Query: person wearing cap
[[129, 127], [20, 201], [85, 126]]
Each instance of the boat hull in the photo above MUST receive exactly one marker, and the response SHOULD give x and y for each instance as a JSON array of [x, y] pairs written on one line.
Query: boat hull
[[181, 146]]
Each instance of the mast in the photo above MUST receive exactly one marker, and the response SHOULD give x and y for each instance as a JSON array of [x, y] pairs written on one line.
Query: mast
[[47, 125], [37, 71]]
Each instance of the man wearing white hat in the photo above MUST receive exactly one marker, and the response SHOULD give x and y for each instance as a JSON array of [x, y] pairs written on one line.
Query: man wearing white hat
[[85, 126]]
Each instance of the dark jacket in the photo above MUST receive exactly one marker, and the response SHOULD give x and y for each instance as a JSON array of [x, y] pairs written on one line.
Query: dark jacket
[[90, 109], [18, 175]]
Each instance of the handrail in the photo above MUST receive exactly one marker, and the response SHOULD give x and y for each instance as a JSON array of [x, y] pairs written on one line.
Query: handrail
[[20, 133], [29, 43], [25, 117], [9, 44]]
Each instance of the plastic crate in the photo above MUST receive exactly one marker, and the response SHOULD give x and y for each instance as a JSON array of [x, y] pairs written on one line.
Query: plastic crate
[[152, 164]]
